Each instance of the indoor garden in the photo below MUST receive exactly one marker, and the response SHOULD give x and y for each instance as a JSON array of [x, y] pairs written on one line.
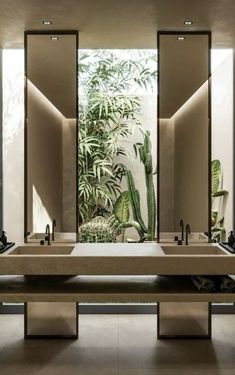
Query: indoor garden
[[117, 145]]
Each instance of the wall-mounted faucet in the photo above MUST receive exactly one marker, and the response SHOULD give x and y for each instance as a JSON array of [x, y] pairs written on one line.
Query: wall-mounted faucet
[[48, 235], [53, 230], [182, 230], [187, 232]]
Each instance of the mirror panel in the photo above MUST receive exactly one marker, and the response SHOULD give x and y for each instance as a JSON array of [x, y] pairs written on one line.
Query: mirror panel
[[51, 135], [184, 134]]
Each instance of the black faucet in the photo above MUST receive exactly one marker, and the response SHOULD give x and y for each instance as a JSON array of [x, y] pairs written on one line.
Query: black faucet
[[187, 232], [48, 236], [182, 229], [53, 230]]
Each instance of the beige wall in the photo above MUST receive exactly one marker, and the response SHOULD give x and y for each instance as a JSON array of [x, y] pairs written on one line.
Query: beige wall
[[44, 156], [69, 129], [51, 132], [166, 174], [51, 67], [191, 162], [184, 166], [183, 70], [183, 132]]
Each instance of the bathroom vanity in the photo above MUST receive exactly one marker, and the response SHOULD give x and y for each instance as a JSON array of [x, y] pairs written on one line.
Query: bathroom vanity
[[114, 273], [117, 259]]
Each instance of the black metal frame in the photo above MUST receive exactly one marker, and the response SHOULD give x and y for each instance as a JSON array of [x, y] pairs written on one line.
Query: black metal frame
[[180, 32], [46, 32], [189, 336], [233, 143], [69, 337], [1, 147]]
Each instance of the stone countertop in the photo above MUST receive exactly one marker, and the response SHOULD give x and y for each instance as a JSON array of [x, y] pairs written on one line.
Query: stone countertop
[[115, 259], [100, 249]]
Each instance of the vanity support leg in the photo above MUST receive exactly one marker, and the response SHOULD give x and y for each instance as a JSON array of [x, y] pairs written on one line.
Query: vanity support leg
[[184, 320], [51, 320]]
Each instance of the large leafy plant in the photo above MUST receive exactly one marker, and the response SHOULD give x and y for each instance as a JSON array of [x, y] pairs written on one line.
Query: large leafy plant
[[217, 218], [145, 152], [109, 111], [100, 229]]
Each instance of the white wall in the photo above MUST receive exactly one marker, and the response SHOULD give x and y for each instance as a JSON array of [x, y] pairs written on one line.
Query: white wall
[[222, 125], [191, 162], [149, 122], [44, 162], [13, 144]]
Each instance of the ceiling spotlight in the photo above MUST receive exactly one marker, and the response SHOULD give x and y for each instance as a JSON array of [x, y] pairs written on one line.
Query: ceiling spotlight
[[54, 38], [188, 23], [180, 37], [47, 22]]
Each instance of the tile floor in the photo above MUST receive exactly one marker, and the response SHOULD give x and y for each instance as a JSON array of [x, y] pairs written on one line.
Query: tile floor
[[117, 345]]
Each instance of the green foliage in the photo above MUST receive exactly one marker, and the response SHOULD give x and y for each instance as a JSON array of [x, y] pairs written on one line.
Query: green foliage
[[121, 211], [218, 230], [217, 221], [145, 154], [108, 114], [121, 207], [135, 204], [215, 176], [97, 230], [101, 229]]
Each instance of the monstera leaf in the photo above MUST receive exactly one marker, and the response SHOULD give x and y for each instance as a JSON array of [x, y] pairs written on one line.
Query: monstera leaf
[[215, 176], [121, 207]]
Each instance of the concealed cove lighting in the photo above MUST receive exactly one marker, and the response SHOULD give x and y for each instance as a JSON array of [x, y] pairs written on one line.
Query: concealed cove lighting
[[46, 22], [54, 38], [188, 23], [180, 37]]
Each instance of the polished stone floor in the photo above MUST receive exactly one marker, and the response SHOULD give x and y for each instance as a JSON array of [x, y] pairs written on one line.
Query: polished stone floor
[[117, 345]]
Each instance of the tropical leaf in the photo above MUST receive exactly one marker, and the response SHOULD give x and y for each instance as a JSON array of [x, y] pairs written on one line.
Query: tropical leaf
[[121, 207], [220, 193], [107, 115], [215, 176], [132, 224]]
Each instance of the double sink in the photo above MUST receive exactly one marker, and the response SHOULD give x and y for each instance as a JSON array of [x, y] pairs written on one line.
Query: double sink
[[42, 250], [198, 246], [191, 250]]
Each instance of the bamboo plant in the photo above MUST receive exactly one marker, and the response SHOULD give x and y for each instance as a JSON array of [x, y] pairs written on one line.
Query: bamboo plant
[[108, 114]]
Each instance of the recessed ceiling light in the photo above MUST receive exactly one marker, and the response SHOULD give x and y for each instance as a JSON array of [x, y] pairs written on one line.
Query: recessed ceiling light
[[47, 22], [54, 38], [180, 37], [188, 23]]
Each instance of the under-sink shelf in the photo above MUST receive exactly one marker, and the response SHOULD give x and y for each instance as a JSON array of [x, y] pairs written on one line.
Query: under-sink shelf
[[105, 289]]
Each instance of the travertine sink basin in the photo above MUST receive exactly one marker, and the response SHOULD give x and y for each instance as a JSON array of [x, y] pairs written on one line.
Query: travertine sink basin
[[42, 250], [193, 250], [193, 237], [59, 237]]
